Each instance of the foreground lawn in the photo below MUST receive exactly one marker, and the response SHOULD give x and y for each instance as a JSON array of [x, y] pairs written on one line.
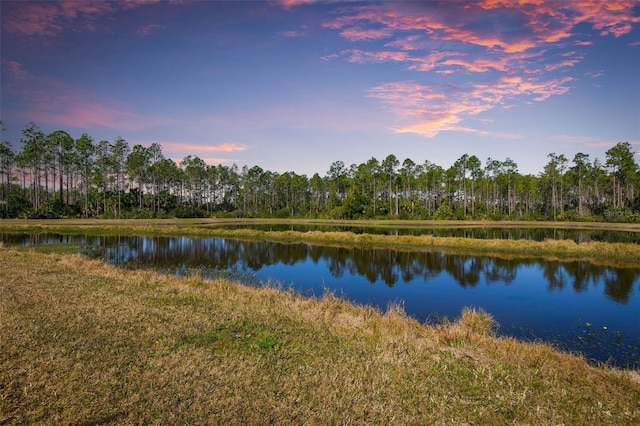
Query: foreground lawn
[[84, 342]]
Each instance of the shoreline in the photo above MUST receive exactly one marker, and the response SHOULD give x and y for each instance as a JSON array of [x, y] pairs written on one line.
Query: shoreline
[[89, 341], [618, 254]]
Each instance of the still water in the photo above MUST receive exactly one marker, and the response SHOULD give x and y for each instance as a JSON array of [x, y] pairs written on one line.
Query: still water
[[471, 231], [577, 306]]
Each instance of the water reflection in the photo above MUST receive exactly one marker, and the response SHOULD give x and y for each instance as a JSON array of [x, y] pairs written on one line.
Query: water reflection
[[485, 233], [530, 298], [376, 265]]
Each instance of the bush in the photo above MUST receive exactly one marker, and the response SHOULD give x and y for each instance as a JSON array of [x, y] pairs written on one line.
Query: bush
[[444, 211], [188, 212], [139, 213], [42, 213], [569, 216], [281, 213]]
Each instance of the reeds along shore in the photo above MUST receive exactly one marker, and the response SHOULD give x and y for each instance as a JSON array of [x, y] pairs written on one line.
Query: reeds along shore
[[622, 254], [87, 343]]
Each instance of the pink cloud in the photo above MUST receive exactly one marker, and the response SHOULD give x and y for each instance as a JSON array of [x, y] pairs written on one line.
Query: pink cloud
[[292, 33], [190, 147], [538, 90], [150, 29], [432, 61], [591, 141], [541, 22], [210, 161], [500, 135], [45, 100], [478, 65], [410, 42], [431, 109], [508, 51], [76, 111], [418, 63], [292, 3], [425, 109], [51, 18], [358, 34], [330, 57], [15, 71], [555, 20], [614, 17], [564, 64], [176, 150], [361, 57], [595, 74], [301, 32]]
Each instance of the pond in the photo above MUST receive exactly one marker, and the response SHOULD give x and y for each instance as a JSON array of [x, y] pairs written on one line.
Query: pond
[[577, 306], [467, 231]]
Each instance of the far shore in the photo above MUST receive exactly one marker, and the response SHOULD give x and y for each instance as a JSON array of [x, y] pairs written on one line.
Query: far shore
[[391, 223]]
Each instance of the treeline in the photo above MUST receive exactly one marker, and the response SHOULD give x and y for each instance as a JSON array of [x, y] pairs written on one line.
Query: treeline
[[53, 175]]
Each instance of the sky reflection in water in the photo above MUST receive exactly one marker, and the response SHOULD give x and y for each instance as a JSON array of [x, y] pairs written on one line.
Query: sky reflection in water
[[576, 305]]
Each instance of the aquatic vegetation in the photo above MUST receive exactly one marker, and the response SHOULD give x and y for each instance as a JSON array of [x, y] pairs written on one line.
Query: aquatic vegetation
[[612, 343]]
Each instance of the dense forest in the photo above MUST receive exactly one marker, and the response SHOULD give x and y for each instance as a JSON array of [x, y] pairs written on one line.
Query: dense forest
[[55, 176]]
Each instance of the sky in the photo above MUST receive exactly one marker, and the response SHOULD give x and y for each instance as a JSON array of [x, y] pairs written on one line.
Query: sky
[[295, 85]]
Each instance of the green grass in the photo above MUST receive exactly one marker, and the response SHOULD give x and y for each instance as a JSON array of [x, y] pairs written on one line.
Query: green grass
[[60, 248], [84, 342], [630, 227]]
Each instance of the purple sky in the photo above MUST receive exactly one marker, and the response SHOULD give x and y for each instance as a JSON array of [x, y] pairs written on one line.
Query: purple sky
[[295, 85]]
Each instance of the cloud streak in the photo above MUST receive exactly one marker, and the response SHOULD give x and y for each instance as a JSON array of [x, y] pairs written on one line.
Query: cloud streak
[[51, 18], [150, 29], [174, 149], [43, 99], [472, 57], [429, 109], [191, 147]]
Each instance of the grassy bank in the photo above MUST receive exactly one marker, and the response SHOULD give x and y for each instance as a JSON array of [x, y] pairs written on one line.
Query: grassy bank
[[611, 226], [88, 343], [623, 254]]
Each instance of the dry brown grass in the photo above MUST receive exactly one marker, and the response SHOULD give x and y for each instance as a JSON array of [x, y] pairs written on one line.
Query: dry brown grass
[[87, 343], [619, 254], [613, 226]]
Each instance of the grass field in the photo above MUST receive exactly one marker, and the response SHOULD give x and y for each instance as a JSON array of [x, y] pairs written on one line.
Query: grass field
[[630, 227], [84, 342]]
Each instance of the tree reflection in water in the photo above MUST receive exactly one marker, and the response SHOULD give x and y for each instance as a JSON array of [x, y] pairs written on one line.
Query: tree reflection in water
[[545, 295], [376, 265]]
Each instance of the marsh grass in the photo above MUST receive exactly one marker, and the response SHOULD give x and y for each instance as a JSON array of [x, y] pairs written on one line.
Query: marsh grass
[[212, 222], [618, 254], [59, 248], [84, 342]]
